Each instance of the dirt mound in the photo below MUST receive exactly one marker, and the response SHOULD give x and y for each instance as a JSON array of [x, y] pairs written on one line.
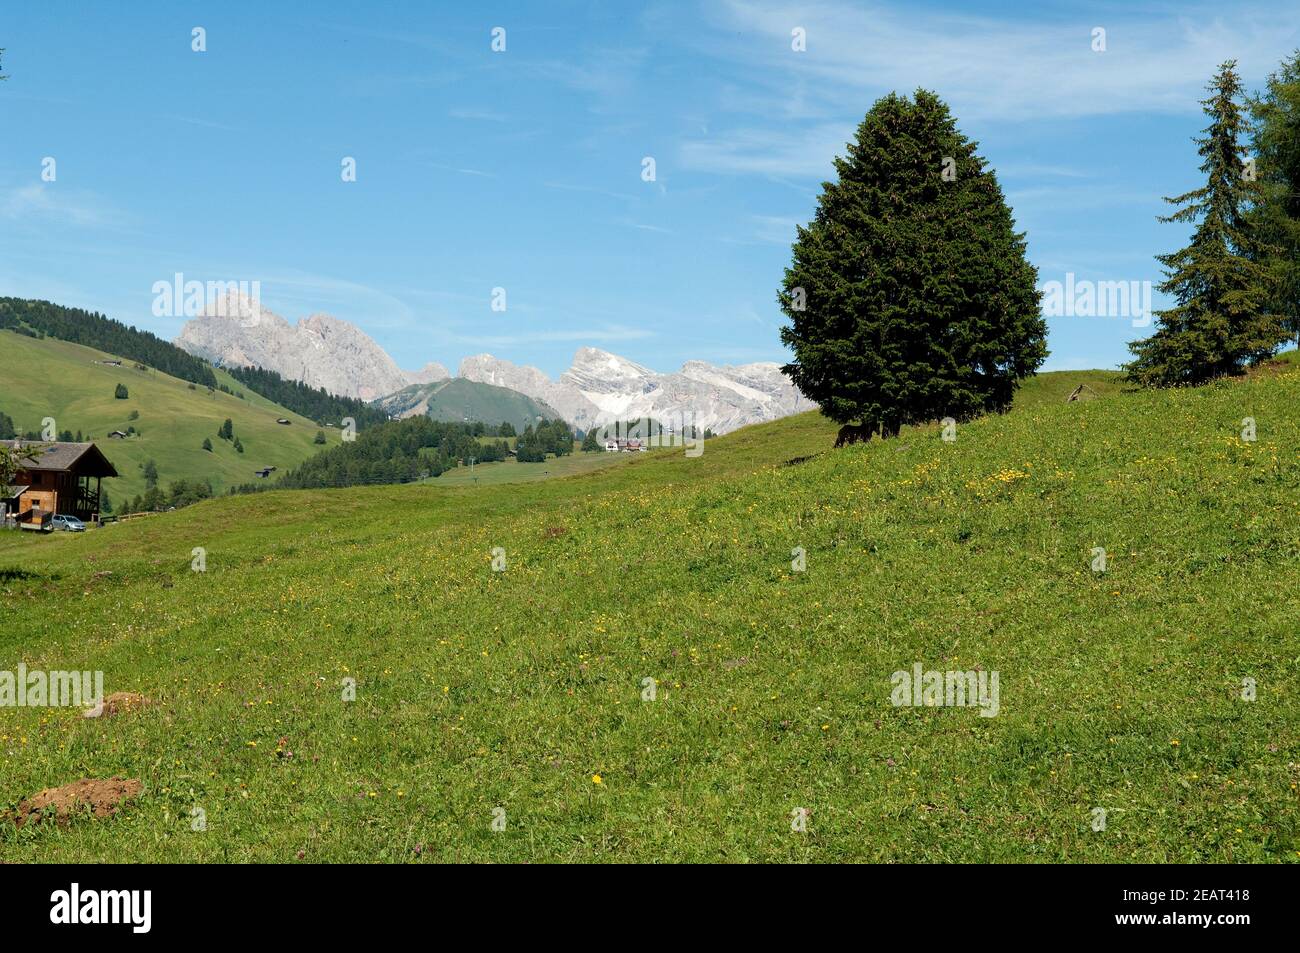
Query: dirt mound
[[119, 702], [98, 798]]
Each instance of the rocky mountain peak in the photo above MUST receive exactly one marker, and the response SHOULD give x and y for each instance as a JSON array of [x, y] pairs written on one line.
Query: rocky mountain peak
[[598, 388]]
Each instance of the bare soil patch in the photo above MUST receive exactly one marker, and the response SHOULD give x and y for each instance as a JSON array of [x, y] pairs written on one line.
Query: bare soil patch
[[89, 796], [120, 703]]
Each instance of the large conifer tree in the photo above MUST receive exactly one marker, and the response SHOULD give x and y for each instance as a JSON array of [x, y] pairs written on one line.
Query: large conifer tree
[[1220, 320], [909, 294], [1275, 141]]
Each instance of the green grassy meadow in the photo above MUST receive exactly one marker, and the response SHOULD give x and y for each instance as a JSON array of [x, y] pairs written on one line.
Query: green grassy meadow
[[510, 471], [522, 689], [53, 378]]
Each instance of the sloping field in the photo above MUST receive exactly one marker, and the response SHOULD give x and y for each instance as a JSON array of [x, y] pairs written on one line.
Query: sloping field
[[525, 689]]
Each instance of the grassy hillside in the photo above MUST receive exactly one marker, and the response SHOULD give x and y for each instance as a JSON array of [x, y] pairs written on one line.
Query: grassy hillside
[[523, 689], [510, 471], [52, 378], [457, 399]]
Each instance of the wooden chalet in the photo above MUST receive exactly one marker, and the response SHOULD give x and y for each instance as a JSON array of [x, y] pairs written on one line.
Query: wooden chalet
[[62, 478]]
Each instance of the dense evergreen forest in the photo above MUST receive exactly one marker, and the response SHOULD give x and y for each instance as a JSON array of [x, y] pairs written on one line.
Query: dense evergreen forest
[[550, 436], [397, 451]]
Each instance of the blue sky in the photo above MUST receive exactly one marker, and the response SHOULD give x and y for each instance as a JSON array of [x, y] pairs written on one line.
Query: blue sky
[[522, 169]]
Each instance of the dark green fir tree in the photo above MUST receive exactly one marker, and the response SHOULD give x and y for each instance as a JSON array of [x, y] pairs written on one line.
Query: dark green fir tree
[[909, 295], [1275, 142], [1220, 283]]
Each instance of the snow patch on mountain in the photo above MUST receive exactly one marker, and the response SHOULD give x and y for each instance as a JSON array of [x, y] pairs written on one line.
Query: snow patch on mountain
[[601, 388]]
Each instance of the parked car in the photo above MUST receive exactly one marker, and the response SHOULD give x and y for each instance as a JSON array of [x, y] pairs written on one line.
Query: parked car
[[69, 523]]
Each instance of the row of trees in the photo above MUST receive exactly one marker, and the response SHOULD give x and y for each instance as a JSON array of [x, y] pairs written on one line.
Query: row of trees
[[9, 431], [179, 493], [1236, 285], [550, 436], [227, 432], [397, 451], [154, 498]]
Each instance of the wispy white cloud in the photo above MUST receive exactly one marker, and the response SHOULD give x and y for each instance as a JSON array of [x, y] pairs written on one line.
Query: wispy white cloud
[[608, 74], [1006, 69], [564, 187], [1017, 67], [461, 170], [479, 115], [52, 203], [312, 293], [775, 151], [205, 123], [584, 335]]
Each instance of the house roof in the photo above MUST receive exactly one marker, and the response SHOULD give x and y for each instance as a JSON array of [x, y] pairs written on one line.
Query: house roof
[[83, 458], [11, 492]]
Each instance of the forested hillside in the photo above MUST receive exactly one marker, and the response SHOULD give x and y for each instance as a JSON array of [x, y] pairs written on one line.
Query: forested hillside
[[315, 403], [399, 451], [104, 334]]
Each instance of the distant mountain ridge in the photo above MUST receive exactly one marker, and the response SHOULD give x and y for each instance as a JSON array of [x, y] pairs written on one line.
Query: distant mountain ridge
[[599, 387]]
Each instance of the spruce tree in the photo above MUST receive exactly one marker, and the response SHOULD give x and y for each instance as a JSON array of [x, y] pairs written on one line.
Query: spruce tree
[[1275, 141], [909, 295], [1220, 320]]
